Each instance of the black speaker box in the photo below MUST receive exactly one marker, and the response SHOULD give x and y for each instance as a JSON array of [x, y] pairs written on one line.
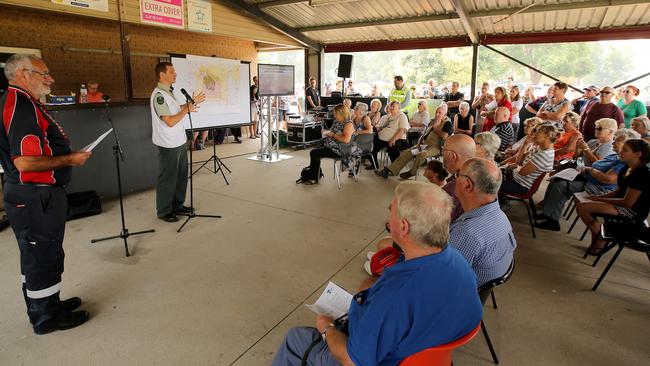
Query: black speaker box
[[345, 66]]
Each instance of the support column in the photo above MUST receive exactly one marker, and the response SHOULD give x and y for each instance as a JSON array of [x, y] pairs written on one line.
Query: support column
[[474, 70]]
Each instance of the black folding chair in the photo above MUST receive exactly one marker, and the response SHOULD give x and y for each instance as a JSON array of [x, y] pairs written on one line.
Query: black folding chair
[[487, 290], [623, 235]]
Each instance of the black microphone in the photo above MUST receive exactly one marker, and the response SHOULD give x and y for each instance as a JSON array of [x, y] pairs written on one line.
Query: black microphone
[[106, 98], [184, 92]]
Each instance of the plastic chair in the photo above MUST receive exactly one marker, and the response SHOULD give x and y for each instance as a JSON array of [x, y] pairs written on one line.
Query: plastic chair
[[365, 142], [487, 289], [527, 199], [440, 355]]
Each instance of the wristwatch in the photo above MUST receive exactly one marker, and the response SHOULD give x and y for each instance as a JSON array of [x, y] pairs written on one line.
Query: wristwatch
[[324, 332]]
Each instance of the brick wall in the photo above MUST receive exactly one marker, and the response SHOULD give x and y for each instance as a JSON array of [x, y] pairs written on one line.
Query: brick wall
[[50, 32], [147, 39]]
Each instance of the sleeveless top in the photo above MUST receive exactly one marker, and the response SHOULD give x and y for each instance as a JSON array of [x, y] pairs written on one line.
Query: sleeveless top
[[347, 151], [463, 122]]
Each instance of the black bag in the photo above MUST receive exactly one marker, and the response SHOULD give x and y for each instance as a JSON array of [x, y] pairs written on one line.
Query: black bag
[[565, 164], [82, 204], [306, 175]]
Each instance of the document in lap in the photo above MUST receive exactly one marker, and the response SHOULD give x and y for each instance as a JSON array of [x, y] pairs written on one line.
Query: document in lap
[[333, 302], [569, 174]]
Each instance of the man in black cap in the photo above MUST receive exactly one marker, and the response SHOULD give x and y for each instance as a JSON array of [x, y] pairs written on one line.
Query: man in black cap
[[590, 96]]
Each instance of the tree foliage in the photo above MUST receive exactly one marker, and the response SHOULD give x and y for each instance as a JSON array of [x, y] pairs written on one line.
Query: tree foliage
[[576, 63]]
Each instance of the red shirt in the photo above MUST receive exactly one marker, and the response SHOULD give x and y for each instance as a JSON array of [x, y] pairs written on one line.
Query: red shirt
[[95, 97], [489, 121], [596, 111]]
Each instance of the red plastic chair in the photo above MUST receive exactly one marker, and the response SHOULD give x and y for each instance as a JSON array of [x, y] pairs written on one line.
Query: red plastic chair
[[527, 199], [440, 355]]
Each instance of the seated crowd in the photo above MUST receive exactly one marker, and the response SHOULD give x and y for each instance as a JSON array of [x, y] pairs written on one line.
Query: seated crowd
[[450, 235]]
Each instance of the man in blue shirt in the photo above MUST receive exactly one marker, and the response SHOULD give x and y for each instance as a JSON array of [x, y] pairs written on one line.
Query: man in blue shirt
[[427, 299], [482, 234]]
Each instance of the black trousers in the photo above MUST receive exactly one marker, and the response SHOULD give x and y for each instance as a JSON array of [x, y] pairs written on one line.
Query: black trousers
[[37, 216], [393, 151], [315, 156]]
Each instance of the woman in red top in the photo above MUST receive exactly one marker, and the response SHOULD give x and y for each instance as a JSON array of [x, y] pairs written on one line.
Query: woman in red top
[[501, 99], [565, 146]]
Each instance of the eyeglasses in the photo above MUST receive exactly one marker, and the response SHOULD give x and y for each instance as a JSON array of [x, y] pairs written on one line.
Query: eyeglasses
[[45, 74], [625, 92], [605, 92]]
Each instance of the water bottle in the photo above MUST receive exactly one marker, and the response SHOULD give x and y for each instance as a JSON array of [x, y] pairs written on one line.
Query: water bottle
[[83, 94]]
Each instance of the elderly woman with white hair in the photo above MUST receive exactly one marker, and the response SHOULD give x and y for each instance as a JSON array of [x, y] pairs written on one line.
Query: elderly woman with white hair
[[362, 124], [599, 147], [642, 126], [375, 112], [464, 121], [599, 178], [419, 122], [487, 145]]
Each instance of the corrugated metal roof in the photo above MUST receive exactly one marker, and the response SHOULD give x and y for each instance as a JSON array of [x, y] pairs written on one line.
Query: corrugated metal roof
[[335, 21]]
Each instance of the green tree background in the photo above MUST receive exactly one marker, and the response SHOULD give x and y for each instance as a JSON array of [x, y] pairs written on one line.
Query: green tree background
[[576, 63]]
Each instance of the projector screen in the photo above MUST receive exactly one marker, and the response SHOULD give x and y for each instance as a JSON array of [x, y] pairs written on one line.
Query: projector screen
[[275, 79], [225, 84]]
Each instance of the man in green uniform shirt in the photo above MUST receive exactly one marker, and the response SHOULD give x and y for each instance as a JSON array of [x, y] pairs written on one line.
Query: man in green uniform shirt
[[168, 134]]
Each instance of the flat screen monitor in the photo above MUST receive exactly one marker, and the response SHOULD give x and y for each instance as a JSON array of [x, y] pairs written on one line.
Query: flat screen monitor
[[275, 80]]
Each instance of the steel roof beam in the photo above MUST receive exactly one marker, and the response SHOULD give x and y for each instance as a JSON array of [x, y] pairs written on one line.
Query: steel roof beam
[[465, 20], [274, 23], [555, 7], [372, 23], [475, 14], [268, 4]]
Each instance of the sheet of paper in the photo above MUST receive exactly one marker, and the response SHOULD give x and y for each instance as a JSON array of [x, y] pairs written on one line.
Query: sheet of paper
[[415, 150], [582, 196], [94, 144], [567, 174], [333, 302]]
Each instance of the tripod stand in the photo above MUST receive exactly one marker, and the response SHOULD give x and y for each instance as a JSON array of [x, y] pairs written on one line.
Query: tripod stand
[[218, 164], [117, 152], [192, 213]]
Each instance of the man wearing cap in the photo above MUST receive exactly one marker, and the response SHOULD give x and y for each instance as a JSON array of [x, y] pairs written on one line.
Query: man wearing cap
[[590, 96], [428, 298], [37, 160], [168, 134]]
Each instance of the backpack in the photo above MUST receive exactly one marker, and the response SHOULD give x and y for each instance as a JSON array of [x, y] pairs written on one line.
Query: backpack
[[306, 175]]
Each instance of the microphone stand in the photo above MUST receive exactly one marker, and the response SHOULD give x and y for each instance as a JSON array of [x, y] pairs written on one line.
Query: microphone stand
[[117, 152], [192, 213]]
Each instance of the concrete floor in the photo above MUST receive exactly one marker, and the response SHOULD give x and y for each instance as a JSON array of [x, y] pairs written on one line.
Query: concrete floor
[[225, 291]]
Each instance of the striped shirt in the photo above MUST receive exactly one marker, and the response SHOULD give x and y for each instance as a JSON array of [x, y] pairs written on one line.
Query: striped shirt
[[506, 134], [484, 237], [543, 161]]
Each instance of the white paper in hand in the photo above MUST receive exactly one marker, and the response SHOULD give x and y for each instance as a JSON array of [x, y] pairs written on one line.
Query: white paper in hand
[[567, 174], [333, 302], [94, 144]]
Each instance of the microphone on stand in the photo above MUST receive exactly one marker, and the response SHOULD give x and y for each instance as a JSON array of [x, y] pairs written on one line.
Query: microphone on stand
[[184, 92]]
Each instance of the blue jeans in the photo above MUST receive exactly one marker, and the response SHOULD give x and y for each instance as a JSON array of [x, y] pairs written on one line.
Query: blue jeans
[[297, 342]]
